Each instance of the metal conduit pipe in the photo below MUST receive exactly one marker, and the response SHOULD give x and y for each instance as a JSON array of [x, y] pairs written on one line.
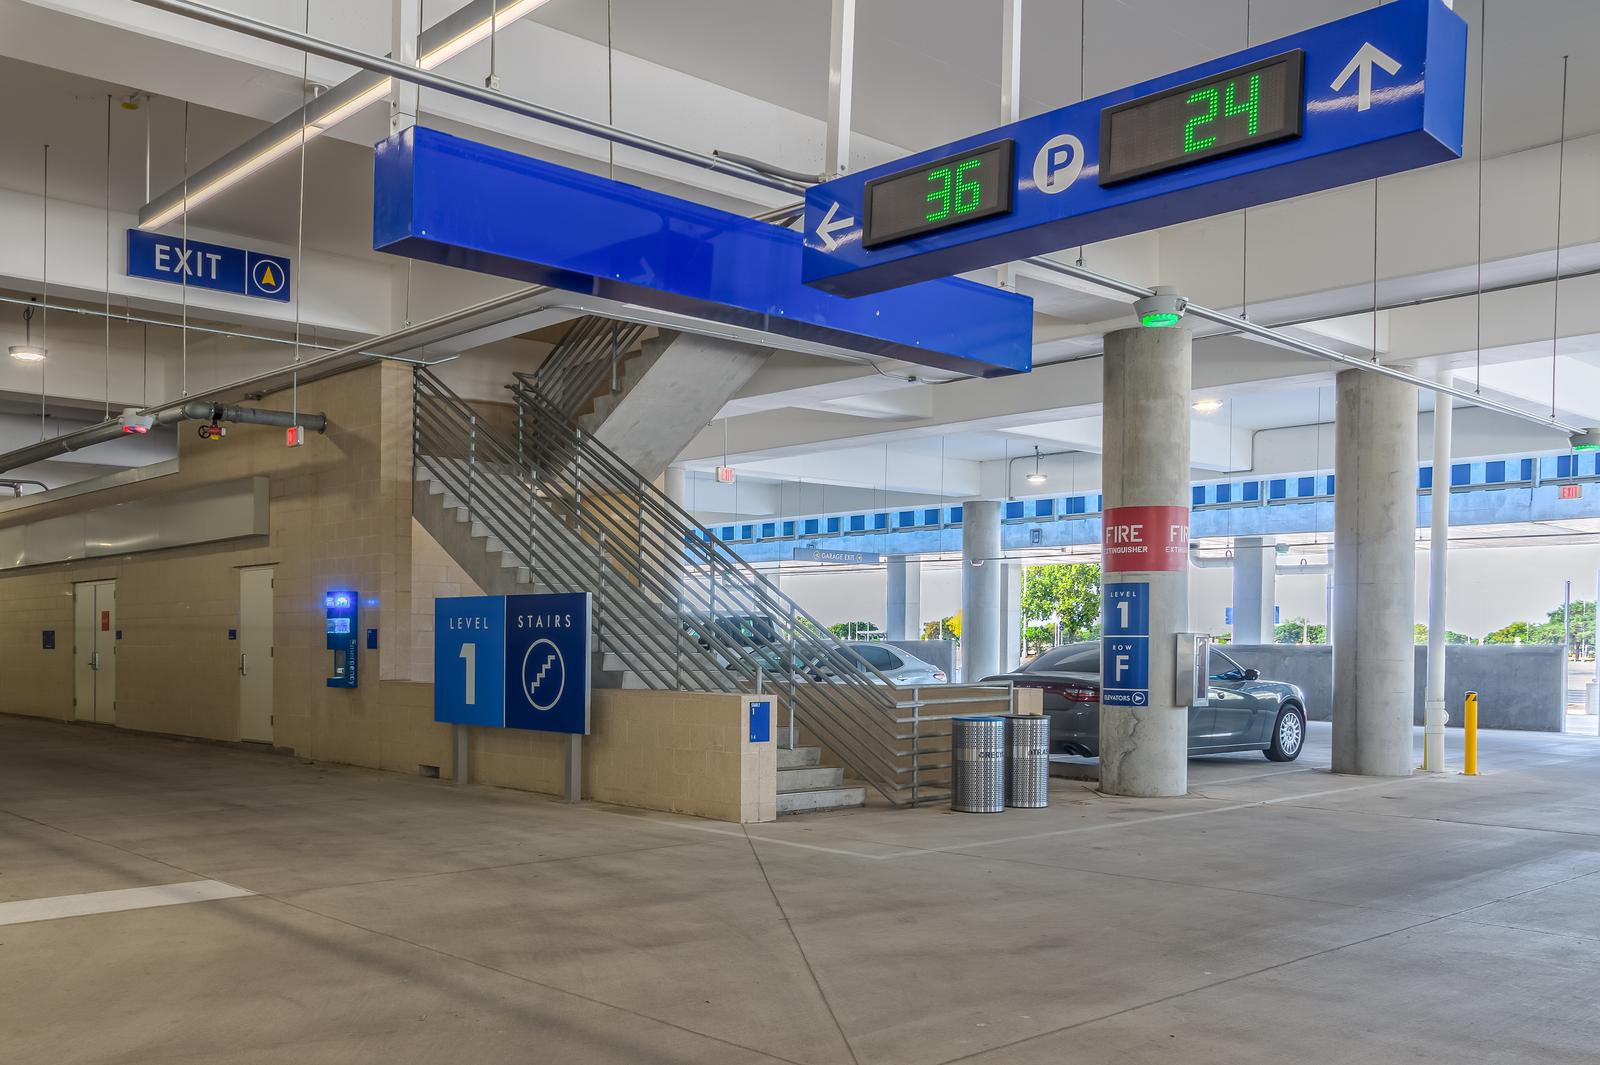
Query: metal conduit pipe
[[1244, 325], [16, 486], [198, 411], [417, 76], [222, 412], [1199, 561]]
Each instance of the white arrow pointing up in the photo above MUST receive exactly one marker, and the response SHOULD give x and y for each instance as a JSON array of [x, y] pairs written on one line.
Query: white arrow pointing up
[[830, 225], [1369, 56]]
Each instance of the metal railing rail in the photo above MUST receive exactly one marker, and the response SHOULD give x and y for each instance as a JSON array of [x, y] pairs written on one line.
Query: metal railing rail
[[585, 360], [676, 607]]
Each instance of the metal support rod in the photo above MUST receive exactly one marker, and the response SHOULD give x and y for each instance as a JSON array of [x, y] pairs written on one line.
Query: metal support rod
[[428, 80], [841, 87], [1010, 95], [461, 741], [1283, 340], [1434, 715], [406, 33], [573, 790]]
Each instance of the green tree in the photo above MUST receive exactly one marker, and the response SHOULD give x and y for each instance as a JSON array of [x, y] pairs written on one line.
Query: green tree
[[1516, 632], [1299, 630], [1450, 635], [856, 630], [944, 629], [1066, 596]]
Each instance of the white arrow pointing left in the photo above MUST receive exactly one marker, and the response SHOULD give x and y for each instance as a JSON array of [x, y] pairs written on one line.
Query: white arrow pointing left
[[832, 224], [1365, 59]]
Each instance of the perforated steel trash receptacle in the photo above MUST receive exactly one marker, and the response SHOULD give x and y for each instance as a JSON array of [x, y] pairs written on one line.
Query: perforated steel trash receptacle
[[978, 782], [1027, 761]]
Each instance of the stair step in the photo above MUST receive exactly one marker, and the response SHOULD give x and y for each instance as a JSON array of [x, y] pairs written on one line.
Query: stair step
[[799, 757], [805, 778], [841, 798]]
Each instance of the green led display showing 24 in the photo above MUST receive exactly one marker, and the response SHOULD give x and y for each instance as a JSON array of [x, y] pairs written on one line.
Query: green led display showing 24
[[1228, 106], [955, 194]]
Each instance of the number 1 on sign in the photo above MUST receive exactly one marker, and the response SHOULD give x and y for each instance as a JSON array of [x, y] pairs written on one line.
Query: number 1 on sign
[[469, 654], [1122, 612]]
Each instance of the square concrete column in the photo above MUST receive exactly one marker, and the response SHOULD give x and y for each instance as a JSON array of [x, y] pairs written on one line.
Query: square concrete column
[[1374, 570], [905, 599], [982, 581], [1255, 573], [1144, 732]]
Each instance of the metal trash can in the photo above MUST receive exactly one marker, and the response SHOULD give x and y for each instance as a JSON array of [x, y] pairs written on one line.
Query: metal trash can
[[1028, 761], [978, 750]]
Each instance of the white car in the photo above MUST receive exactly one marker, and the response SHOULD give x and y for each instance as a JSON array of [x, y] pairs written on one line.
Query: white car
[[901, 667]]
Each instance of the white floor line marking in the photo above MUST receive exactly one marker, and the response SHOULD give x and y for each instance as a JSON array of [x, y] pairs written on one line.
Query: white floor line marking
[[24, 911], [1262, 776]]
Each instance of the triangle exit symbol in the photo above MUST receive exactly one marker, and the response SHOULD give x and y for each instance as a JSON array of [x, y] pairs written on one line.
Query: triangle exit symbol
[[268, 278]]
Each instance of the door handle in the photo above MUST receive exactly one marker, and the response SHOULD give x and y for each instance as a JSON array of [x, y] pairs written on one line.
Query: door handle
[[94, 660], [244, 665]]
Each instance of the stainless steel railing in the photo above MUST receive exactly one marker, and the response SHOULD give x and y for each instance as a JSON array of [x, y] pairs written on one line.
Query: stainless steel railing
[[587, 359], [674, 606]]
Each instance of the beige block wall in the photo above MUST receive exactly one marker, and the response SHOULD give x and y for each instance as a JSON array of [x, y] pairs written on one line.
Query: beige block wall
[[340, 516]]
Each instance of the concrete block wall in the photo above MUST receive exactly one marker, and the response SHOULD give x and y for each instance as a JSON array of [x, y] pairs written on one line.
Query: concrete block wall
[[1518, 687], [340, 516]]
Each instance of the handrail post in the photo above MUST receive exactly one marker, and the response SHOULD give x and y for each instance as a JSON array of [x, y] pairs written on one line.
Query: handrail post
[[916, 742], [472, 457]]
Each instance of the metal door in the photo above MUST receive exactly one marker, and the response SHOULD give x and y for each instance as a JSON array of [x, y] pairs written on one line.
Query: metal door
[[94, 651], [255, 654]]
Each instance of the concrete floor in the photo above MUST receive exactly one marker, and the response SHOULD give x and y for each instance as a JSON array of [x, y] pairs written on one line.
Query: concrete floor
[[1275, 914]]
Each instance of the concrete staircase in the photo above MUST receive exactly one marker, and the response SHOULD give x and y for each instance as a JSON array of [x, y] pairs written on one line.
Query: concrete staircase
[[804, 783]]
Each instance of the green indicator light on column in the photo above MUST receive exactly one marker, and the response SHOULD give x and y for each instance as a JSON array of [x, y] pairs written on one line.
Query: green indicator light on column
[[1160, 319], [1162, 309]]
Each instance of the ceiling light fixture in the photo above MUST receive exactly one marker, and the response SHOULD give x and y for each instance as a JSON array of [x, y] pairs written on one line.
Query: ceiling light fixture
[[27, 351], [1208, 406], [316, 125], [1038, 475]]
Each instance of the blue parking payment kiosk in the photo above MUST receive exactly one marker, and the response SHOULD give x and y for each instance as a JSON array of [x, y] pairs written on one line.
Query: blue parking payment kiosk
[[343, 609]]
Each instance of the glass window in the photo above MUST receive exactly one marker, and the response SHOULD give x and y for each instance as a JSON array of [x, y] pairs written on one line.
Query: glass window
[[877, 657], [1224, 668]]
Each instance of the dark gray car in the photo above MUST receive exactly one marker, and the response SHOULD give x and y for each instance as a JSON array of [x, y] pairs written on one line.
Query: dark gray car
[[1244, 712]]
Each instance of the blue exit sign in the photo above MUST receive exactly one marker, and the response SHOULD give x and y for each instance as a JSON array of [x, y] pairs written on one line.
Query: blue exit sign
[[214, 266]]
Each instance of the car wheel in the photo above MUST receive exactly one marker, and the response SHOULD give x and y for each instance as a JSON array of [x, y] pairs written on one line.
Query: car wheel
[[1288, 734]]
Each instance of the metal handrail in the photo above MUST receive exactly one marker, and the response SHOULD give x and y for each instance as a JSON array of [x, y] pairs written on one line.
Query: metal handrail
[[674, 605], [591, 350]]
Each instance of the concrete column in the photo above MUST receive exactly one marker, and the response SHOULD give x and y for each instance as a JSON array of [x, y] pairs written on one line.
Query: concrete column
[[1434, 711], [1011, 653], [1374, 565], [905, 599], [1144, 750], [982, 581], [675, 482], [1255, 580]]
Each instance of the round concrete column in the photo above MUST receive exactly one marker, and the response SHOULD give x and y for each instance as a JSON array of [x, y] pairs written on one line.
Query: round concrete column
[[1144, 749], [983, 620], [1374, 573]]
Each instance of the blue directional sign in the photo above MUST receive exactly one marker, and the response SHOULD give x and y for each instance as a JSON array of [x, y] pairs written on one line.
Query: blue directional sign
[[454, 201], [518, 661], [1125, 644], [201, 265], [1127, 609], [547, 662], [469, 660], [1375, 93]]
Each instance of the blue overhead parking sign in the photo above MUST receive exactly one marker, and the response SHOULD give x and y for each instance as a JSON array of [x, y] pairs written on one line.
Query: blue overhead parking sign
[[1376, 93]]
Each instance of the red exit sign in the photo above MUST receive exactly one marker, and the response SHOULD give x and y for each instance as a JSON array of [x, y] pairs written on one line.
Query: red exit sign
[[1572, 491]]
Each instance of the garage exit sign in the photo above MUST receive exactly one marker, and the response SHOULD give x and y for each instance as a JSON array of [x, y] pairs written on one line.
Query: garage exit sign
[[198, 264]]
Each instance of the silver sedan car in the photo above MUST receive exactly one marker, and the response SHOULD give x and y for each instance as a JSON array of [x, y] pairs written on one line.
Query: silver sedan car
[[901, 667]]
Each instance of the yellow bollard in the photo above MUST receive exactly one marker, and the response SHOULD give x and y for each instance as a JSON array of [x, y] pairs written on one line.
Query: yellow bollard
[[1469, 767]]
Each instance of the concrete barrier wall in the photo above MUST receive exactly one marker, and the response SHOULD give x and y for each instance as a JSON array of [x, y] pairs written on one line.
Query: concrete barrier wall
[[1518, 687]]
